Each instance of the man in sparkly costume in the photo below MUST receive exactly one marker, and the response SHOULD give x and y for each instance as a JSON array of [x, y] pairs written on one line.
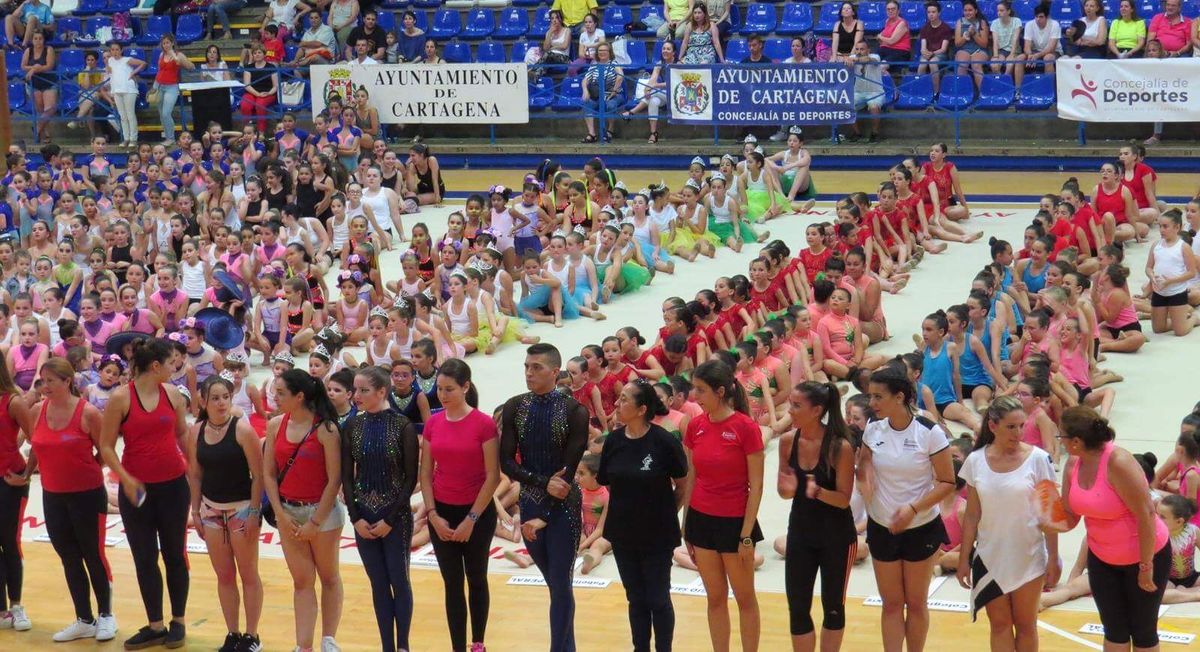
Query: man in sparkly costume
[[549, 431]]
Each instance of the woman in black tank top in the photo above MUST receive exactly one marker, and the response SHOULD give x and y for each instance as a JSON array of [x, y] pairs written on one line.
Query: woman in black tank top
[[222, 449], [821, 534], [275, 190]]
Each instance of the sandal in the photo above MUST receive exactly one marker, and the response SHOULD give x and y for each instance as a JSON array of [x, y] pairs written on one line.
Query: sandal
[[590, 138], [608, 136], [625, 115], [653, 138]]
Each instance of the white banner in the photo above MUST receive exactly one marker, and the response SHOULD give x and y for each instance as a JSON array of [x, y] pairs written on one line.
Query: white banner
[[452, 93], [1129, 90]]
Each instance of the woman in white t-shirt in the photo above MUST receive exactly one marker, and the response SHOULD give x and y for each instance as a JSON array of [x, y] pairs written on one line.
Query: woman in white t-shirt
[[589, 37], [904, 472], [122, 71], [1012, 558]]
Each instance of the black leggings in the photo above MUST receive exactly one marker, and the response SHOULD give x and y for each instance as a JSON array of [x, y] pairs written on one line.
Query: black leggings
[[76, 524], [800, 573], [465, 560], [12, 509], [646, 575], [162, 518], [1126, 611]]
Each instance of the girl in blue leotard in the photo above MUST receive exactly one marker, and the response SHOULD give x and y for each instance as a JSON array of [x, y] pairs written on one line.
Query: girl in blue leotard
[[941, 372]]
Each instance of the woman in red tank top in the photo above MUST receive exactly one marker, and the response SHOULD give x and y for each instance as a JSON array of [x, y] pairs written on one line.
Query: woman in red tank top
[[1115, 204], [14, 492], [65, 437], [945, 177], [148, 414], [170, 62], [309, 515]]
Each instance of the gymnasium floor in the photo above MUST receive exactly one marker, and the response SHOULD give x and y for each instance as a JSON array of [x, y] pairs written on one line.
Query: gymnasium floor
[[1146, 416]]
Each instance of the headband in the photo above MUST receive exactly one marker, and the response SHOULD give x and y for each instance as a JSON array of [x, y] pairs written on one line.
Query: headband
[[113, 358], [284, 357]]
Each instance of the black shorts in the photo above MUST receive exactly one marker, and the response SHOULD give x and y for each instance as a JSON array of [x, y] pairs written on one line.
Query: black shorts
[[941, 407], [1083, 391], [1115, 333], [967, 390], [912, 545], [1168, 301], [719, 533], [1187, 582]]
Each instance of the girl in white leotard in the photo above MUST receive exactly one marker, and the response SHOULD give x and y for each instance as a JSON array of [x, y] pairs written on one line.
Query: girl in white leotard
[[461, 318]]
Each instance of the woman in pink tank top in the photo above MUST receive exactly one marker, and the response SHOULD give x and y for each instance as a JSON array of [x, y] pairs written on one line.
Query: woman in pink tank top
[[1129, 556]]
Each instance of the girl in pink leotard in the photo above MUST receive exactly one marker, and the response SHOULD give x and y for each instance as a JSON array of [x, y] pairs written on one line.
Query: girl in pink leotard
[[351, 311]]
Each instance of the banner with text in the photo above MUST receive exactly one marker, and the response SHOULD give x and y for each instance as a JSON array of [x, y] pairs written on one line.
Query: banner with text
[[1129, 90], [800, 94], [453, 93]]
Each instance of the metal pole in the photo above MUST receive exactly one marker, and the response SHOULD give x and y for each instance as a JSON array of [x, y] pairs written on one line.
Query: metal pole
[[1082, 133]]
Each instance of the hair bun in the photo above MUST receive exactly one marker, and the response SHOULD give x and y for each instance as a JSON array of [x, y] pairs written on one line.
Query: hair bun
[[1151, 458]]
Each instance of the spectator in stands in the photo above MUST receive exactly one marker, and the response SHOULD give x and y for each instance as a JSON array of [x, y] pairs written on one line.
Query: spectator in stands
[[29, 18], [214, 67], [410, 38], [798, 55], [1043, 40], [369, 30], [286, 15], [868, 88], [93, 87], [603, 84], [589, 37], [272, 44], [1087, 38], [1172, 29], [654, 90], [430, 53], [701, 39], [895, 39], [38, 63], [362, 52], [1127, 34], [846, 33], [220, 10], [556, 46], [1006, 42], [122, 81], [935, 43], [719, 13], [756, 56], [317, 44], [676, 12], [343, 19], [261, 88], [971, 39], [574, 11]]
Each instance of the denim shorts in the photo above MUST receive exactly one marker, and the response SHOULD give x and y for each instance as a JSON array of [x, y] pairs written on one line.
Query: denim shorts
[[302, 513]]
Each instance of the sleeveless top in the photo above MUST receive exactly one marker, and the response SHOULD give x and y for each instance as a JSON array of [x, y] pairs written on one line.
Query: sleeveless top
[[151, 451], [700, 48], [460, 322], [1112, 533], [202, 362], [168, 70], [66, 458], [815, 522], [226, 473], [1030, 433], [25, 366], [11, 459], [97, 334], [1168, 262], [938, 375], [970, 367], [270, 315], [941, 179], [846, 38], [1034, 284], [306, 480], [1109, 202], [904, 44]]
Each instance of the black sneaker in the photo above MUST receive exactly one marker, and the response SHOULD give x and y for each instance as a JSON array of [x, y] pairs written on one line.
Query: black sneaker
[[175, 635], [146, 637], [233, 642], [249, 643]]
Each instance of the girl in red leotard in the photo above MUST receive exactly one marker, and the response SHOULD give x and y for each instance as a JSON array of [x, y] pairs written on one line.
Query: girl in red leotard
[[1142, 180], [945, 177], [1115, 204]]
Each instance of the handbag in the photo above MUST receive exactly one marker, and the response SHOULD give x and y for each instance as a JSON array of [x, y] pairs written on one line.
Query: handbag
[[267, 512], [292, 93]]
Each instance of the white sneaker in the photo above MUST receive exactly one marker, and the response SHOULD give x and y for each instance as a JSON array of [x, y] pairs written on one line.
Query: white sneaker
[[329, 645], [72, 125], [778, 136], [106, 628], [20, 621], [76, 630]]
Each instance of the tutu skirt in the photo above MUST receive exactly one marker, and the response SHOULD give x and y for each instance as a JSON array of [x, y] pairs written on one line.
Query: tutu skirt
[[684, 238], [758, 202], [512, 333], [788, 178], [539, 298], [634, 275], [723, 231], [648, 252]]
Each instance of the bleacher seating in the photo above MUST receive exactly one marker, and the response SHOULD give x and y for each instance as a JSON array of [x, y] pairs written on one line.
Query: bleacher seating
[[189, 28], [480, 24], [1023, 9], [155, 28], [760, 19], [616, 17], [90, 7], [490, 52], [387, 21], [957, 92], [446, 24], [797, 19], [569, 96], [457, 52], [64, 26], [651, 10], [637, 56], [951, 11], [873, 15], [512, 23], [541, 94], [777, 49], [995, 93], [913, 11], [18, 100], [1037, 93], [92, 27], [12, 60], [70, 61], [915, 92], [540, 25], [736, 50], [828, 17]]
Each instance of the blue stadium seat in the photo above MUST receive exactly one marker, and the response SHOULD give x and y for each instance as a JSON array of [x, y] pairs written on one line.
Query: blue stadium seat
[[1147, 8], [616, 17], [189, 28], [1037, 93], [797, 19], [446, 24], [153, 31], [1023, 9], [12, 59], [777, 49], [386, 20], [119, 6], [915, 92], [393, 4], [889, 91], [457, 52], [760, 19], [988, 9], [289, 51], [1065, 11], [18, 100], [90, 7], [957, 92], [480, 24], [951, 11], [873, 15], [540, 25], [828, 17], [490, 52], [62, 26], [913, 12], [1191, 8], [1112, 10], [570, 95], [736, 50], [70, 61], [68, 98], [650, 10], [426, 4], [637, 56], [517, 55], [631, 3], [996, 92], [514, 23], [526, 3], [421, 21], [541, 94]]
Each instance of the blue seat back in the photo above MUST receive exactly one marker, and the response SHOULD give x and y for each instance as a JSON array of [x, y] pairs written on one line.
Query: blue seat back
[[777, 49], [457, 52], [490, 52], [616, 17], [736, 50], [797, 19]]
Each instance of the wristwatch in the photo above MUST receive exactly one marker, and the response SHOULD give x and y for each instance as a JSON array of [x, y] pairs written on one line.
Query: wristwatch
[[748, 542], [472, 516]]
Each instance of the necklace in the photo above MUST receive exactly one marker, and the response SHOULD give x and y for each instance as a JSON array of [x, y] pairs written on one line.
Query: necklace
[[210, 424]]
